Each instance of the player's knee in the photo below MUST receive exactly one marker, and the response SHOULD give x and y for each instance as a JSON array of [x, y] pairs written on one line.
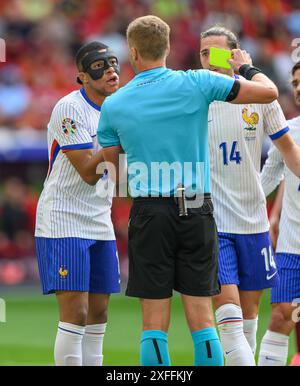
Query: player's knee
[[250, 312], [221, 300], [98, 316], [229, 295], [281, 320], [75, 315], [80, 316]]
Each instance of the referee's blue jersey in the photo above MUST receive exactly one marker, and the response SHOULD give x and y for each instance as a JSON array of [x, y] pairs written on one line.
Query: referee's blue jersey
[[160, 120]]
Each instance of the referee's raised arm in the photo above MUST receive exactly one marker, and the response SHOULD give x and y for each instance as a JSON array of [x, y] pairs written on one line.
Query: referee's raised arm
[[257, 88]]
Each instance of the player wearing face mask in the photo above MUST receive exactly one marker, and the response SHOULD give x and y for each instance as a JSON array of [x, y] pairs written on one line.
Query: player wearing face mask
[[75, 240]]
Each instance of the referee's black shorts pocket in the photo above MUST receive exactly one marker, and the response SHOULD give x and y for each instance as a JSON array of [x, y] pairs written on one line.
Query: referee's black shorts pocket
[[138, 221]]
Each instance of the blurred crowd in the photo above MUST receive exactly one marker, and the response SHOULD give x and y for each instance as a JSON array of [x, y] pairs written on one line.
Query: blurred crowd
[[42, 37], [17, 219]]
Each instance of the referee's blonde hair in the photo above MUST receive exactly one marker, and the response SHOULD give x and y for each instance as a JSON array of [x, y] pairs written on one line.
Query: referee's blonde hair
[[150, 35]]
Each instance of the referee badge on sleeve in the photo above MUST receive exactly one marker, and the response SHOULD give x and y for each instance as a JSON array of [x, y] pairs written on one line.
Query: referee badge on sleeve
[[68, 126]]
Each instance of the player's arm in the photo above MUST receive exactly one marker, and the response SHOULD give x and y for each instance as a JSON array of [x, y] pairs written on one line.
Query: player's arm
[[111, 157], [271, 177], [257, 88], [275, 215], [75, 141], [86, 163], [277, 128], [110, 141], [290, 152], [272, 172]]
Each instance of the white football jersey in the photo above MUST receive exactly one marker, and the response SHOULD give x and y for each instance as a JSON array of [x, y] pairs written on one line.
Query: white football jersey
[[68, 206], [273, 172], [236, 134]]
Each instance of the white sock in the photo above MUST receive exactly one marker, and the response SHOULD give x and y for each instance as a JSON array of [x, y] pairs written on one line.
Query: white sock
[[273, 349], [235, 346], [250, 329], [67, 350], [92, 344]]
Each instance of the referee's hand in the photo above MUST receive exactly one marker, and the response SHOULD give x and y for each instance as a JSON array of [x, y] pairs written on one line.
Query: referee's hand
[[239, 58]]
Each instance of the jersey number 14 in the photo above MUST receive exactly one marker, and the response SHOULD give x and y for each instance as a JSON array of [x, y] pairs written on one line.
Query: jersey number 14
[[269, 258], [234, 153]]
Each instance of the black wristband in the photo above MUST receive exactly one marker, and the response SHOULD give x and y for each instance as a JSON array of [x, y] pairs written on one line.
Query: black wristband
[[248, 71]]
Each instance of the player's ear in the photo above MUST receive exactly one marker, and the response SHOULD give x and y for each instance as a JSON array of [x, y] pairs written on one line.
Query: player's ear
[[82, 77]]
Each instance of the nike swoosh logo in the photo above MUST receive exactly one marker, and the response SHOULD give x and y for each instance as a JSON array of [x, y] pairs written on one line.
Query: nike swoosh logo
[[210, 121], [272, 359], [228, 352], [269, 277]]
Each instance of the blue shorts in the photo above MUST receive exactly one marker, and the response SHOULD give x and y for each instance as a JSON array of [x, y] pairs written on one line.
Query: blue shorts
[[247, 261], [74, 264], [288, 289]]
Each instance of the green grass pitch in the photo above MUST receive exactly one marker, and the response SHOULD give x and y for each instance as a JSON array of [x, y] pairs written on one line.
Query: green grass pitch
[[27, 337]]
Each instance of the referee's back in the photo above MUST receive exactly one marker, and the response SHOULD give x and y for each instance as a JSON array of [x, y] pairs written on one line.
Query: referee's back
[[161, 116]]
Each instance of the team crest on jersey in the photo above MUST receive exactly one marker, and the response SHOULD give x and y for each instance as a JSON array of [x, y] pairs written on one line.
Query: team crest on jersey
[[252, 120], [63, 273], [68, 126]]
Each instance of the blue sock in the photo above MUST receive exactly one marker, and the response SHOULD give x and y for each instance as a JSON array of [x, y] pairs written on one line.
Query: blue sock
[[208, 349], [154, 348]]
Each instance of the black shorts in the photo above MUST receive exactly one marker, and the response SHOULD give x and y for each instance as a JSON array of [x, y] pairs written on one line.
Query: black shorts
[[169, 252]]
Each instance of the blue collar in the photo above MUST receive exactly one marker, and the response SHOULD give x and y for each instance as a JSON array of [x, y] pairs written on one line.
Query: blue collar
[[152, 71], [91, 103]]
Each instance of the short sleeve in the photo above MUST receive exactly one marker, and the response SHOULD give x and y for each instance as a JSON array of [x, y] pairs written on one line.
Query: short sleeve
[[69, 128], [275, 124], [214, 86], [107, 135]]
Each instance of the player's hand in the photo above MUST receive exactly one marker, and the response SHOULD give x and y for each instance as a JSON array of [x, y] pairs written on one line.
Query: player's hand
[[239, 57], [274, 230]]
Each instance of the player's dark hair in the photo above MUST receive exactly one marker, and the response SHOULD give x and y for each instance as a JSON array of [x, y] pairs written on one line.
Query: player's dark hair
[[219, 30], [86, 49], [296, 68]]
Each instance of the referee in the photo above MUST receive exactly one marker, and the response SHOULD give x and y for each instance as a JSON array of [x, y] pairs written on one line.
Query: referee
[[160, 117]]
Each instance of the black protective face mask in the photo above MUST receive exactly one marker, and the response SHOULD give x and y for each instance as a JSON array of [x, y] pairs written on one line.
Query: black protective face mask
[[93, 57]]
